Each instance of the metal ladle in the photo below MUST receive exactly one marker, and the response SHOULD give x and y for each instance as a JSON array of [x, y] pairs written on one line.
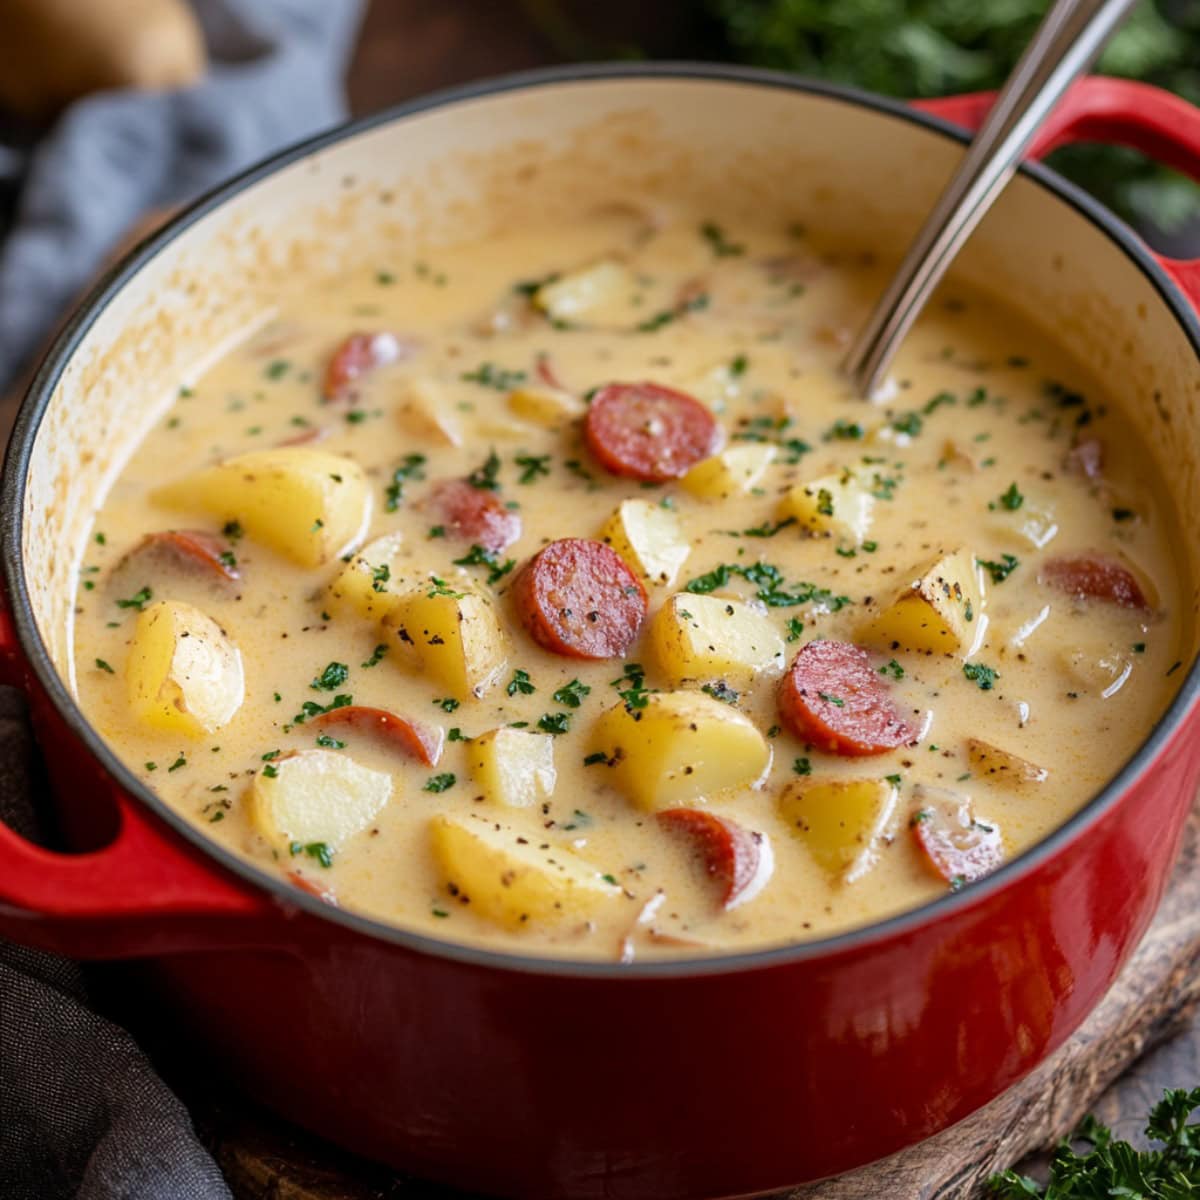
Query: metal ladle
[[1067, 41]]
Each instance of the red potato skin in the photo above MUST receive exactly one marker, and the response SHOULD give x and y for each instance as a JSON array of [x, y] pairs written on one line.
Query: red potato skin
[[192, 548], [357, 356], [1094, 577], [866, 722], [648, 432], [547, 374], [737, 860], [953, 845], [422, 742], [306, 885], [476, 515], [578, 598]]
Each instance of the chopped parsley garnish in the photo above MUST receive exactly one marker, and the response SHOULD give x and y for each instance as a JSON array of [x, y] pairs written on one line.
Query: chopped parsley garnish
[[722, 247], [984, 677], [277, 369], [310, 708], [533, 466], [738, 366], [720, 690], [836, 701], [772, 590], [667, 315], [489, 375], [766, 529], [1011, 499], [330, 743], [485, 477], [631, 687], [270, 770], [824, 502], [454, 734], [331, 678], [379, 577], [572, 694], [795, 627], [893, 779], [447, 704], [439, 783], [409, 469], [376, 656], [936, 402], [844, 431], [520, 682], [138, 600], [909, 423], [103, 666], [477, 556], [801, 766], [181, 761], [442, 588], [1000, 571], [233, 530], [555, 723], [892, 668], [318, 850]]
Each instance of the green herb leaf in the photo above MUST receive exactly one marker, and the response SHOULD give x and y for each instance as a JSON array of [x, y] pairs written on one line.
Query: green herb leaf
[[439, 783], [572, 694], [138, 600], [555, 723], [486, 476], [982, 676], [491, 376], [999, 571], [520, 683], [410, 469], [331, 678]]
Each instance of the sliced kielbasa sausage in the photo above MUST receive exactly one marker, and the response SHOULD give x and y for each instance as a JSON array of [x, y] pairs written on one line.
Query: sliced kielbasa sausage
[[472, 514]]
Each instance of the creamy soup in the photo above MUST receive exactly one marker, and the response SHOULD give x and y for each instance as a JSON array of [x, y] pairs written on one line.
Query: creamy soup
[[557, 593]]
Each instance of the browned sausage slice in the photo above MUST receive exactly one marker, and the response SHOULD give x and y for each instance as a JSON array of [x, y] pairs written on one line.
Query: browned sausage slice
[[953, 843], [833, 698], [472, 514], [422, 742], [648, 432], [737, 860], [1092, 577], [579, 598], [359, 354]]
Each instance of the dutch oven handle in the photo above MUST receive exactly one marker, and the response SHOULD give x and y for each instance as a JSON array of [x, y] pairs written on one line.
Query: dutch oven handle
[[1114, 111], [146, 892]]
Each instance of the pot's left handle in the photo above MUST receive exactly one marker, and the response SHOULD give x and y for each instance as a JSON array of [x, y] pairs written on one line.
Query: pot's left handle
[[146, 892], [1114, 111]]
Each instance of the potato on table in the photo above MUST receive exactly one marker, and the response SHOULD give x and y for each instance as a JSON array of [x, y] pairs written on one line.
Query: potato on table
[[309, 505], [709, 637], [840, 821], [514, 878], [679, 746], [649, 538], [183, 673], [939, 612], [513, 767], [448, 630], [317, 797]]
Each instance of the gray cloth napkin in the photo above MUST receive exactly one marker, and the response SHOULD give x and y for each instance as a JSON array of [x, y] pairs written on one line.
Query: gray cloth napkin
[[68, 197], [83, 1116]]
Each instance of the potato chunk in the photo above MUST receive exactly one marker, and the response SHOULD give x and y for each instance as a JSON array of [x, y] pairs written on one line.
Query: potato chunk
[[707, 637], [838, 506], [309, 505], [733, 472], [681, 745], [649, 538], [450, 632], [368, 585], [317, 796], [183, 673], [717, 386], [840, 821], [513, 767], [548, 406], [598, 292], [507, 876], [939, 612], [1002, 766], [424, 411]]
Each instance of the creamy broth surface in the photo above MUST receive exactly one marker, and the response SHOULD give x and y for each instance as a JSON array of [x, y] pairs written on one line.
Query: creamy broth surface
[[985, 441]]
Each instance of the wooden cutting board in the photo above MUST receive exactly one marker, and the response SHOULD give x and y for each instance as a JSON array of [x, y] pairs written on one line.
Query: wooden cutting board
[[1153, 999]]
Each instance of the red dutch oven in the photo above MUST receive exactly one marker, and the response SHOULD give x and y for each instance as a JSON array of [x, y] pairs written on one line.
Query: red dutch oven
[[526, 1076]]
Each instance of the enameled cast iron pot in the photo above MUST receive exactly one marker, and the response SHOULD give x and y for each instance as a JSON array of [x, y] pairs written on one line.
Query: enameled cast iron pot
[[530, 1077]]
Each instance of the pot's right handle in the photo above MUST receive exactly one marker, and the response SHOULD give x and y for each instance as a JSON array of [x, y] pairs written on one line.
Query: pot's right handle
[[146, 892], [1117, 111]]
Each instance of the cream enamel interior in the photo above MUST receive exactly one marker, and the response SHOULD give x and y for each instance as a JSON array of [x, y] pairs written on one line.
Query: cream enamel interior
[[448, 176]]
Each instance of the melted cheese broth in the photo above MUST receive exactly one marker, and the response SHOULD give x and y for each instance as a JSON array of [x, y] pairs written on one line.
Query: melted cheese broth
[[761, 318]]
